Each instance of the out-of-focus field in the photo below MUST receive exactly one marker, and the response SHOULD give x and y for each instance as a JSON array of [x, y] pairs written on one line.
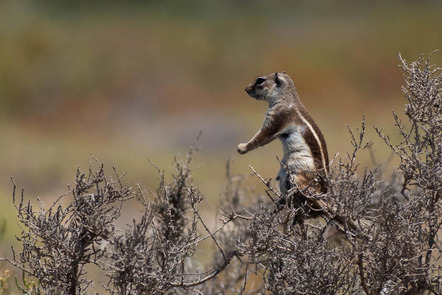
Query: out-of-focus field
[[131, 82]]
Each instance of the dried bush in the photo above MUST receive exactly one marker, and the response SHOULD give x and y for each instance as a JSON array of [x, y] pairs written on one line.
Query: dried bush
[[373, 235], [60, 241]]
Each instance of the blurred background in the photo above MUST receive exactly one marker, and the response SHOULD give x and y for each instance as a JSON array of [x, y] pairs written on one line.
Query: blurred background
[[128, 81]]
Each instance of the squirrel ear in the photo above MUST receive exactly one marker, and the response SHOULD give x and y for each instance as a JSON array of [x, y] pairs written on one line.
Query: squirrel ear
[[278, 81]]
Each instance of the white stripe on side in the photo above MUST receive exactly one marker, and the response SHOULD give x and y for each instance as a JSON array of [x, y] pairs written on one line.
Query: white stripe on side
[[316, 137]]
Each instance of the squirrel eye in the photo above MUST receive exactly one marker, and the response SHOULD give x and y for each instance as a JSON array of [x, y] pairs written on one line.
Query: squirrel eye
[[259, 81]]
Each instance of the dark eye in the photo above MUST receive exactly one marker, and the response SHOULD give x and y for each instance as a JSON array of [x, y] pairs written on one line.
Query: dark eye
[[259, 81]]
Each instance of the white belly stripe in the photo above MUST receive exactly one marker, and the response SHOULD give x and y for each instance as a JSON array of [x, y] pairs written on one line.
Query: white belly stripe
[[316, 137]]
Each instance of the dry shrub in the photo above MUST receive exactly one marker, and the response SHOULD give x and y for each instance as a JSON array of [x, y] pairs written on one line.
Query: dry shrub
[[373, 235]]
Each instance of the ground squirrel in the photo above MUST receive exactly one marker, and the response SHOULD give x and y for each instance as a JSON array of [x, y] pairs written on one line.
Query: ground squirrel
[[304, 167], [305, 151]]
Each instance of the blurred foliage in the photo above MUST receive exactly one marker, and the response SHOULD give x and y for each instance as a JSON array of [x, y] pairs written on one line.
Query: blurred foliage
[[63, 59], [4, 276]]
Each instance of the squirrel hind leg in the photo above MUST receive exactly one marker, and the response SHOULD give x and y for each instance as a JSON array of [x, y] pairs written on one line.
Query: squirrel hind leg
[[284, 182]]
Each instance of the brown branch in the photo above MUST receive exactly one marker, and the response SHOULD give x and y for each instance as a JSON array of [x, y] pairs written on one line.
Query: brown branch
[[361, 273], [267, 184], [215, 272]]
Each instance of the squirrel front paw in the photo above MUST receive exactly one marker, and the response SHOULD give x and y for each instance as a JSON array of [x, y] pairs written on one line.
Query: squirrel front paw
[[242, 148]]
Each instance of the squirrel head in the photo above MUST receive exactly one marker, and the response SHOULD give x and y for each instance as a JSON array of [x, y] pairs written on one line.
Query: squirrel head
[[270, 87]]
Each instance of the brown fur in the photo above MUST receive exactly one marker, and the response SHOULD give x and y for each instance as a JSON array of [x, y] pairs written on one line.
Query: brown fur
[[305, 150]]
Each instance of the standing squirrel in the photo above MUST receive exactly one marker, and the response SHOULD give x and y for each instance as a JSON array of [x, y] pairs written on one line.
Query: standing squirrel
[[304, 167], [305, 151]]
